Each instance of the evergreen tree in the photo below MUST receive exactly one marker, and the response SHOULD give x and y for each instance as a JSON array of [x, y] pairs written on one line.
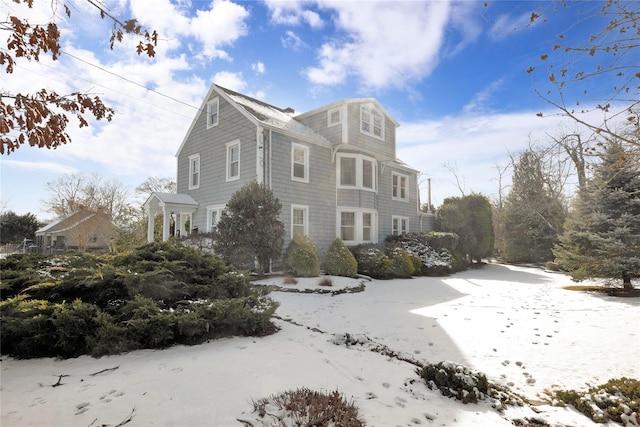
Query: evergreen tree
[[602, 235], [533, 213], [470, 218], [14, 228], [249, 228]]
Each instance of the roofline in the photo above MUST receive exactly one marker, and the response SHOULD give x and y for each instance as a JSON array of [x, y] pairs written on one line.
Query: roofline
[[349, 101]]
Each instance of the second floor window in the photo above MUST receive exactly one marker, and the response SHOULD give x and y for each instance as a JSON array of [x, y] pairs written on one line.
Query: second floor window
[[334, 117], [371, 121], [399, 187], [194, 171], [233, 160], [213, 108], [357, 171], [300, 163]]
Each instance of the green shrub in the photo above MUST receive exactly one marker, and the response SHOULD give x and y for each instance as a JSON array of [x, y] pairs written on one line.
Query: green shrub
[[27, 330], [301, 258], [435, 261], [339, 261], [615, 399], [456, 381], [372, 261], [73, 324], [401, 261]]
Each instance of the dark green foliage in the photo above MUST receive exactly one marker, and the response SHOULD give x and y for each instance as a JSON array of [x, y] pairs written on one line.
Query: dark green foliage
[[157, 296], [249, 228], [339, 261], [610, 401], [471, 219], [403, 266], [301, 258], [15, 228], [602, 234], [372, 261], [533, 213], [456, 381]]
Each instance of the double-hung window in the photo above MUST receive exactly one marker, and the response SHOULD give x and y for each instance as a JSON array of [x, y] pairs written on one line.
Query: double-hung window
[[357, 226], [214, 213], [194, 171], [299, 220], [300, 163], [400, 225], [213, 109], [371, 121], [399, 186], [334, 117], [357, 171], [233, 160]]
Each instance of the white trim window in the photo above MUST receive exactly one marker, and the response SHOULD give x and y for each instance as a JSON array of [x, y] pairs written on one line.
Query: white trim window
[[334, 117], [233, 160], [213, 113], [299, 163], [399, 225], [299, 220], [357, 171], [194, 171], [357, 226], [399, 190], [214, 213], [371, 121]]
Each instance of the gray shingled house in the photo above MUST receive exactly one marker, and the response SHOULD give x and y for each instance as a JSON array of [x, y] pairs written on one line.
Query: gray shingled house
[[334, 169]]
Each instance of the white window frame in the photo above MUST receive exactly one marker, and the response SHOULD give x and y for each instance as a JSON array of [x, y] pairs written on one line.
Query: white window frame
[[368, 114], [358, 225], [194, 169], [399, 225], [402, 192], [330, 115], [359, 160], [305, 225], [210, 211], [210, 122], [305, 150], [230, 146]]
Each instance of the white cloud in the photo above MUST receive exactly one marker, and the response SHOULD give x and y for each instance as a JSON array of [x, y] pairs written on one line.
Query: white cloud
[[293, 13], [293, 41], [233, 81], [481, 100], [385, 44], [258, 67]]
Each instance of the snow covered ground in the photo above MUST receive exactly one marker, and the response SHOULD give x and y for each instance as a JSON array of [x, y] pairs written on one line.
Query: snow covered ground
[[515, 324]]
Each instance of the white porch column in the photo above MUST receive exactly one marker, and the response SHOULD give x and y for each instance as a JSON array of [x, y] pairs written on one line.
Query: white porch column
[[151, 225], [165, 224]]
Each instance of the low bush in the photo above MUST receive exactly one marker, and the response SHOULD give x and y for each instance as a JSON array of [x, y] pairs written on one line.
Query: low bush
[[456, 381], [372, 261], [434, 261], [86, 304], [339, 261], [403, 266], [617, 400], [301, 258], [304, 407]]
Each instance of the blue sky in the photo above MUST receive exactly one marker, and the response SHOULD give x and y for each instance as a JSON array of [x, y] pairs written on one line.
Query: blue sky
[[452, 74]]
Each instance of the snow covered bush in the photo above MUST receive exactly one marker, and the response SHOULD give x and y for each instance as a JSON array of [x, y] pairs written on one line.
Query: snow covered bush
[[372, 261], [339, 261], [301, 258], [403, 266], [456, 381], [617, 400], [434, 262]]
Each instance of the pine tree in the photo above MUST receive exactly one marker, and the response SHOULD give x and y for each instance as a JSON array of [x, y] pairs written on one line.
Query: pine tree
[[249, 228], [602, 235], [533, 213]]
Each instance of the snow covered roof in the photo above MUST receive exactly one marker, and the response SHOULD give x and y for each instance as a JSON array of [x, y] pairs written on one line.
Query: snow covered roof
[[272, 116]]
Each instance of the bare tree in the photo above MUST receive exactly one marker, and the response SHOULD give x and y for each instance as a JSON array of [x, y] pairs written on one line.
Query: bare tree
[[460, 181]]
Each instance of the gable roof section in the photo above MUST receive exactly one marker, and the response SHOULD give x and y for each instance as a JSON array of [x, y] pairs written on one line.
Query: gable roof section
[[67, 223], [170, 199], [350, 101], [260, 113]]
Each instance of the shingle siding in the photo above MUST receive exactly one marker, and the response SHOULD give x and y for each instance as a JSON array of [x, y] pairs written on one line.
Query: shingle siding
[[239, 120]]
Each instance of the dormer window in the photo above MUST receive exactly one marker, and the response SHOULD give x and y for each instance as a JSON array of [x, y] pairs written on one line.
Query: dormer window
[[334, 117], [371, 121], [213, 108]]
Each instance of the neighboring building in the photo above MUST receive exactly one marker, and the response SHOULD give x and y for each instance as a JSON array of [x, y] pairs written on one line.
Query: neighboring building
[[334, 169], [82, 230]]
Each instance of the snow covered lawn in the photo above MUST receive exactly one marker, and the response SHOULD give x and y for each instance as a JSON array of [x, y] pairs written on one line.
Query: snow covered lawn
[[515, 324]]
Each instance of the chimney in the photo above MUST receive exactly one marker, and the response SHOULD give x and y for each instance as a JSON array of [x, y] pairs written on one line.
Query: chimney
[[289, 110]]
